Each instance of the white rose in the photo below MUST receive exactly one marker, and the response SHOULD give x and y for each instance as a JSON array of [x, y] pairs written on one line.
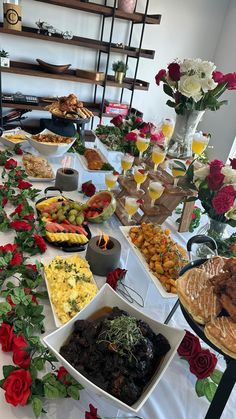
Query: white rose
[[229, 174], [190, 86], [208, 84], [202, 173], [187, 65], [231, 214], [205, 69]]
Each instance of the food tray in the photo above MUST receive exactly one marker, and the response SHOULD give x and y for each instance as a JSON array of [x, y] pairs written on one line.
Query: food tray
[[157, 283], [84, 163], [57, 321], [11, 144]]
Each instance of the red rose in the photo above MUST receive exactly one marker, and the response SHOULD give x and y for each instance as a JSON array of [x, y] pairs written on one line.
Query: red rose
[[230, 78], [138, 120], [8, 248], [147, 128], [17, 387], [29, 217], [189, 346], [233, 163], [218, 77], [174, 71], [27, 291], [33, 267], [215, 180], [88, 188], [216, 166], [229, 189], [18, 210], [20, 356], [20, 225], [22, 184], [40, 242], [18, 151], [202, 364], [222, 202], [92, 414], [131, 136], [61, 373], [10, 164], [117, 120], [17, 259], [114, 276], [160, 76], [6, 337], [9, 300], [157, 136]]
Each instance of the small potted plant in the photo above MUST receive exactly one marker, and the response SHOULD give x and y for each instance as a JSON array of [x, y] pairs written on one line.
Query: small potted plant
[[120, 68], [4, 59]]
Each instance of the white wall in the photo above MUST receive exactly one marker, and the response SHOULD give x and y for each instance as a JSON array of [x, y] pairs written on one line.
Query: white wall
[[222, 124], [188, 29]]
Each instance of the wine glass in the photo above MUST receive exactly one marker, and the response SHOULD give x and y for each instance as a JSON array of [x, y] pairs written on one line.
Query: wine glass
[[155, 191], [158, 156], [139, 176], [178, 170], [167, 127], [131, 206], [126, 162], [142, 145], [111, 179], [199, 143]]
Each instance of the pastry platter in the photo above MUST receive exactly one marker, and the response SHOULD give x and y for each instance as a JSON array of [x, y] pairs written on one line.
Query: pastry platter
[[160, 287], [85, 163]]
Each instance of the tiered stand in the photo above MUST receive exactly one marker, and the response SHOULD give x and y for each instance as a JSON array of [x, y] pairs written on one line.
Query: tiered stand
[[164, 206]]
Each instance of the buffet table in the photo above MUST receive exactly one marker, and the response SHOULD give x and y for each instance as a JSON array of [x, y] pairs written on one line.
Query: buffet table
[[174, 397]]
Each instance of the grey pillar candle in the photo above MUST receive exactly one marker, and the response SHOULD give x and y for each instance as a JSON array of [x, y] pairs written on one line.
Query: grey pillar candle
[[67, 179], [102, 261]]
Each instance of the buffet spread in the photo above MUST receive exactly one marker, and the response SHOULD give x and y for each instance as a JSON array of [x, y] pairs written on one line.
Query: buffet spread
[[103, 341]]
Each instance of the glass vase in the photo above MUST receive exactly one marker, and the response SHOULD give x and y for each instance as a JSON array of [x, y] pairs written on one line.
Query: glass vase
[[180, 145], [216, 230]]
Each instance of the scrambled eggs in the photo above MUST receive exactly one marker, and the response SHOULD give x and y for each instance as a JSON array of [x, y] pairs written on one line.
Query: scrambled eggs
[[71, 285]]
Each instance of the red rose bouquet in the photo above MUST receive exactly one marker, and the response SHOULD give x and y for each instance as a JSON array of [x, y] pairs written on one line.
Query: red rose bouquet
[[216, 190]]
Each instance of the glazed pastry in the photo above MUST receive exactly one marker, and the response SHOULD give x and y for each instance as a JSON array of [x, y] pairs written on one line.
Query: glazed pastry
[[222, 333], [196, 293], [214, 265]]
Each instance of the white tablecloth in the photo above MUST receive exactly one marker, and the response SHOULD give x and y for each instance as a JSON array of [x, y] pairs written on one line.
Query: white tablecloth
[[174, 396]]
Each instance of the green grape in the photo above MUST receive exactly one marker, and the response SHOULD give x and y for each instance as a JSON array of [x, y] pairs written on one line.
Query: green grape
[[79, 219], [45, 214], [61, 217], [73, 212], [71, 218], [54, 216]]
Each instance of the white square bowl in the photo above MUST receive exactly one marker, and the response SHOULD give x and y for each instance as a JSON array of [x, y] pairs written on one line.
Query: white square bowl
[[50, 149], [108, 297]]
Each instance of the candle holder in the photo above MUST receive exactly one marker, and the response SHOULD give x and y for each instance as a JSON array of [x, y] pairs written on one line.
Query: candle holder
[[67, 179], [103, 254]]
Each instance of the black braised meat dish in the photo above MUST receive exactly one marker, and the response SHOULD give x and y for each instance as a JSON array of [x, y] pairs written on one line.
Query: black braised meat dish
[[116, 352]]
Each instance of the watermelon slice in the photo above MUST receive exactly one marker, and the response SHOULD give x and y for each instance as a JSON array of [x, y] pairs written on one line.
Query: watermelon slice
[[66, 228]]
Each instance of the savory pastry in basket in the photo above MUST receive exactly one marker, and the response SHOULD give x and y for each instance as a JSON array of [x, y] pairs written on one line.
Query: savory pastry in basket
[[222, 333], [196, 293], [69, 107], [38, 167]]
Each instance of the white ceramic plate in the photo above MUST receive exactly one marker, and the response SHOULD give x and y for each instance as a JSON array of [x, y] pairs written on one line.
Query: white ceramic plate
[[84, 163], [11, 144], [50, 149], [41, 179], [57, 321], [108, 297], [158, 284]]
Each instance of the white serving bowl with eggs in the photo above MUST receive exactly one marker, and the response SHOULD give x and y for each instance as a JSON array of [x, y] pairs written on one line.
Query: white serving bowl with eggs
[[107, 297]]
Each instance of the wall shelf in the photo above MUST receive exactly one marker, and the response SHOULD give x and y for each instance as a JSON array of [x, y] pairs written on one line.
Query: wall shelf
[[106, 11], [25, 69], [28, 32]]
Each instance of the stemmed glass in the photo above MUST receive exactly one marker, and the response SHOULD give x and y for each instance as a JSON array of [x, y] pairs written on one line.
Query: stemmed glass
[[178, 170], [158, 156], [199, 143], [126, 162], [131, 206], [139, 176], [142, 145], [155, 191], [167, 127], [111, 179]]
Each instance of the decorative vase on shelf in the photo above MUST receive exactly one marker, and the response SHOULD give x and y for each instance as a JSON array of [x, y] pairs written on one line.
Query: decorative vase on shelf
[[127, 6], [119, 76], [180, 145]]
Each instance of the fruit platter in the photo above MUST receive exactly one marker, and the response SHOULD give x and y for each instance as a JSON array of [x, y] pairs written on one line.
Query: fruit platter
[[65, 226], [66, 221]]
